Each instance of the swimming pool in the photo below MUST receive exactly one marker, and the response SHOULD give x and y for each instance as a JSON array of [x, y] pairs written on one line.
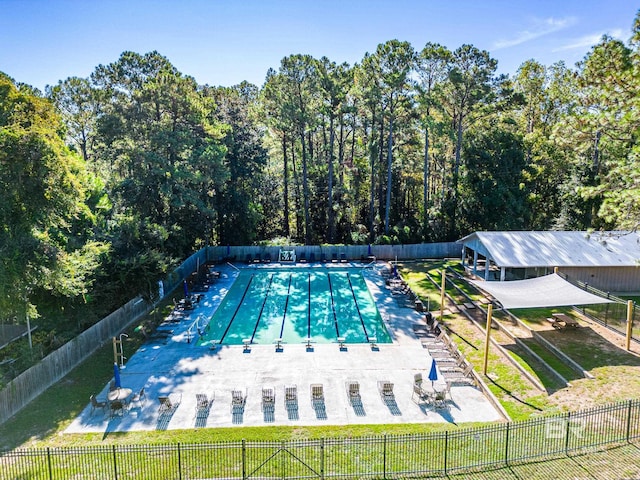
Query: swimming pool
[[297, 305]]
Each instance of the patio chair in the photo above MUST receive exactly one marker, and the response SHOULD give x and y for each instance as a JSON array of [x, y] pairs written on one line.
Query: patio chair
[[268, 398], [317, 393], [312, 257], [302, 258], [140, 397], [440, 399], [117, 407], [238, 400], [95, 403], [420, 395]]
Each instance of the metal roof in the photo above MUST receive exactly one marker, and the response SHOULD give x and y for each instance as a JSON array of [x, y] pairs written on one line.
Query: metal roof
[[557, 249]]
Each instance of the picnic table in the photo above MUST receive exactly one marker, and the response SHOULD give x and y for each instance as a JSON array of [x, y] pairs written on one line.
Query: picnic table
[[562, 320]]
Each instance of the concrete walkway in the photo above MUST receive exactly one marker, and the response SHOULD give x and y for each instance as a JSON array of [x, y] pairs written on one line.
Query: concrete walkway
[[172, 366]]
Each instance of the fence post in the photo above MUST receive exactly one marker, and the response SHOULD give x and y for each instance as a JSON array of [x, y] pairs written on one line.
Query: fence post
[[384, 456], [446, 450], [179, 463], [115, 463], [506, 447], [244, 459], [629, 420], [566, 438], [49, 463], [322, 459]]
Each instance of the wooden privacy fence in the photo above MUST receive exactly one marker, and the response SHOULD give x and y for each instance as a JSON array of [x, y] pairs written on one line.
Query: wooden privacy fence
[[32, 382], [351, 252]]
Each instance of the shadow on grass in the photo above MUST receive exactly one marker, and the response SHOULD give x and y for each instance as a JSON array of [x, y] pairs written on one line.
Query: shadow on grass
[[512, 395]]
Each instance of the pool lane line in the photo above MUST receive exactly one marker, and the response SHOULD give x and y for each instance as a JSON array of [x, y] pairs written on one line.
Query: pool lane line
[[237, 308], [355, 300], [264, 302], [286, 303], [309, 307], [333, 307]]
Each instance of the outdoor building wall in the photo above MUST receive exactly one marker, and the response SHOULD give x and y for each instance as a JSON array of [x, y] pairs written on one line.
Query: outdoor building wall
[[607, 279]]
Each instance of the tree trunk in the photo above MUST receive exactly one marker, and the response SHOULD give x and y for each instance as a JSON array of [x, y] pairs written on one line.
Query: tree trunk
[[389, 163], [285, 223], [425, 185], [305, 190], [330, 213]]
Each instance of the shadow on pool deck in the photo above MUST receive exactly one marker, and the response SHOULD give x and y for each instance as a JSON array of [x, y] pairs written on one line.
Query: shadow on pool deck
[[186, 369]]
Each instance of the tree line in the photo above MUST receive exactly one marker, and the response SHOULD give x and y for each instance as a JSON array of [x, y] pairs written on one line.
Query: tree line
[[110, 180]]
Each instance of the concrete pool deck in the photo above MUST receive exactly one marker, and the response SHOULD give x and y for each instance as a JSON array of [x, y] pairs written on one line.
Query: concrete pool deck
[[172, 366]]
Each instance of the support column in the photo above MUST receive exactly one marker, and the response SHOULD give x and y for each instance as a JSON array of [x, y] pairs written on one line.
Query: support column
[[503, 273], [475, 262]]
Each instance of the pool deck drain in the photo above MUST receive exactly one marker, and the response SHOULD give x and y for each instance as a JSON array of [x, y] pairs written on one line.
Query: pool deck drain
[[172, 366]]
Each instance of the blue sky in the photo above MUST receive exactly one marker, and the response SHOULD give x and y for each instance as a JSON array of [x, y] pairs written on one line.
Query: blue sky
[[222, 42]]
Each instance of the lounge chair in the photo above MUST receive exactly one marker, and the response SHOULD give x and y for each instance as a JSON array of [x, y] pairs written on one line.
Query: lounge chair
[[167, 404], [203, 404], [302, 258], [353, 390], [317, 393], [268, 398], [334, 258], [386, 389], [312, 257], [417, 379], [238, 400], [290, 395], [343, 258], [323, 257], [267, 258], [257, 258], [95, 403], [248, 258]]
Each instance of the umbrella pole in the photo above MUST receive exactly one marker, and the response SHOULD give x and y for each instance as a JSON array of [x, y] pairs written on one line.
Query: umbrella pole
[[486, 344]]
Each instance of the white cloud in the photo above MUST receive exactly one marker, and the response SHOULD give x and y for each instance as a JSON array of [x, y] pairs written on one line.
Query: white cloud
[[540, 28], [588, 41]]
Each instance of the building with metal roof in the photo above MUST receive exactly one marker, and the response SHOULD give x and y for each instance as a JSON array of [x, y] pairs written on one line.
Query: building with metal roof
[[609, 261]]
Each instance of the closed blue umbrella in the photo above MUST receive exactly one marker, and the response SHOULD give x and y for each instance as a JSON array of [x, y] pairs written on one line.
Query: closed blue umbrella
[[116, 375], [186, 288], [433, 373]]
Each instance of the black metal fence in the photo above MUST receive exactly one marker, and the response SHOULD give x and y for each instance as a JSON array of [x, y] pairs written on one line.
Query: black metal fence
[[612, 315], [386, 456]]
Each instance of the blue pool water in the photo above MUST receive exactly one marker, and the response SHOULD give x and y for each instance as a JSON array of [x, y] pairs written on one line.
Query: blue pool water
[[296, 305]]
